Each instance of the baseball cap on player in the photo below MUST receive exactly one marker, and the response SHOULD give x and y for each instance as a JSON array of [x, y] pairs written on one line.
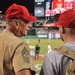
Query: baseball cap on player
[[19, 11], [67, 19]]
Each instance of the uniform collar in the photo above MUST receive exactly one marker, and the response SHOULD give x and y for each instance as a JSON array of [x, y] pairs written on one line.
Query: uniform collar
[[6, 31]]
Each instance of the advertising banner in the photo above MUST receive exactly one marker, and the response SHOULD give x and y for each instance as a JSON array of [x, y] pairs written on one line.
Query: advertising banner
[[58, 6]]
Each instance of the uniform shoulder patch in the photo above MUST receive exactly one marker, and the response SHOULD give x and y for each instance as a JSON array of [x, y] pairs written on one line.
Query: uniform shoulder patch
[[25, 55]]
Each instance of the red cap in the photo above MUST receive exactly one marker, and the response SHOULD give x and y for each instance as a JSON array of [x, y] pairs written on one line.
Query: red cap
[[19, 11], [67, 19]]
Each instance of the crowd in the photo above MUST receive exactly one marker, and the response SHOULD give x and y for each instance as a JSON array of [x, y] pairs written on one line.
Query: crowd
[[52, 34]]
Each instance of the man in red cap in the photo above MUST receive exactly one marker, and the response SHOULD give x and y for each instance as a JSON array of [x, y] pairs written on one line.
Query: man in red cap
[[56, 63], [14, 53]]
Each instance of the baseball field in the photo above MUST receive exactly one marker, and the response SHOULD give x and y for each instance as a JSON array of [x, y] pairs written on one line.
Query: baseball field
[[54, 43]]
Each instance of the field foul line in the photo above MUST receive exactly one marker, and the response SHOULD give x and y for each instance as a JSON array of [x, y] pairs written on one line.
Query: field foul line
[[37, 66]]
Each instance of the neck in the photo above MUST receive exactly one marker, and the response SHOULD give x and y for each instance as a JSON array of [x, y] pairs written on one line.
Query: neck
[[69, 38], [12, 30]]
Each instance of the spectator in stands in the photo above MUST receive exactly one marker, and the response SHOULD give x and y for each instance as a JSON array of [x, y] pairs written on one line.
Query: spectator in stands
[[49, 36], [14, 52], [37, 51], [57, 35]]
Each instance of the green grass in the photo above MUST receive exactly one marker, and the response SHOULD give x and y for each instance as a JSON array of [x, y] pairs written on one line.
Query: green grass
[[39, 66], [55, 43]]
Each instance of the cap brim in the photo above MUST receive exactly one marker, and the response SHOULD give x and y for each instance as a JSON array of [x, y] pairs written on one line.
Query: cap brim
[[31, 18]]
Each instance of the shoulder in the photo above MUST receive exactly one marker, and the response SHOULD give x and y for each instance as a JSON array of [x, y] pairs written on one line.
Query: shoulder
[[16, 40], [54, 56]]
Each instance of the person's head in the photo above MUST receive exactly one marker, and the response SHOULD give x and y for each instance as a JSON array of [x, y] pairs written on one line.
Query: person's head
[[36, 44], [18, 19], [59, 4], [66, 23]]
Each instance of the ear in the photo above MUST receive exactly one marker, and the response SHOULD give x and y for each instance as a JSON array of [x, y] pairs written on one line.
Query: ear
[[15, 24], [63, 30]]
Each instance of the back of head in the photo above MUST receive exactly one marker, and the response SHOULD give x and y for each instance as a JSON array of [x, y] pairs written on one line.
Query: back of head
[[67, 19]]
